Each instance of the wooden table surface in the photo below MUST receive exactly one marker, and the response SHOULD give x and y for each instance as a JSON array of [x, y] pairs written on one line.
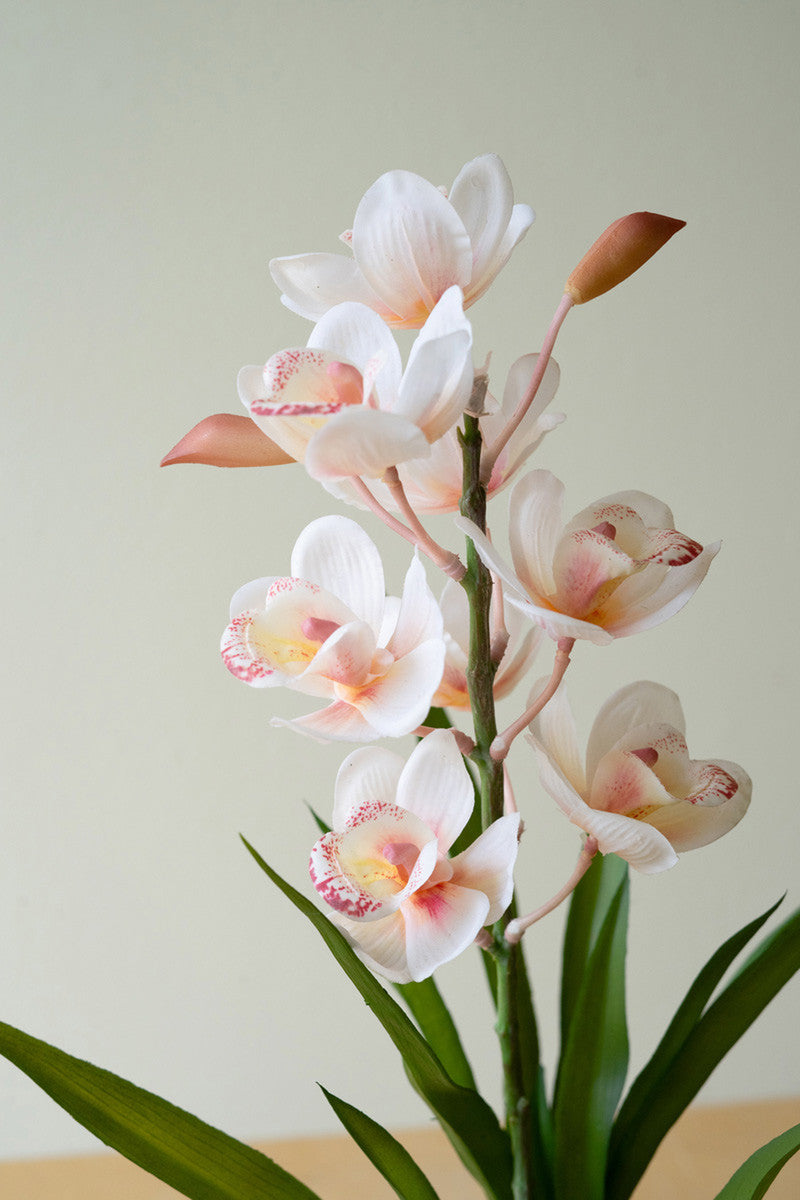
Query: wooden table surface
[[696, 1159]]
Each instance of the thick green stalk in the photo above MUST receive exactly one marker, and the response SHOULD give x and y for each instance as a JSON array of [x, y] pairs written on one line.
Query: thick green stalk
[[480, 680]]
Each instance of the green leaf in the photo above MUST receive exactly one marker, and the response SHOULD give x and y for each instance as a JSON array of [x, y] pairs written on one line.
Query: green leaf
[[384, 1151], [192, 1157], [646, 1086], [321, 825], [593, 1061], [754, 1177], [466, 1118], [772, 965], [429, 1010]]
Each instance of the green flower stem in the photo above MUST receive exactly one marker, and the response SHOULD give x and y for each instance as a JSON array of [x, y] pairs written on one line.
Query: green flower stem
[[477, 583]]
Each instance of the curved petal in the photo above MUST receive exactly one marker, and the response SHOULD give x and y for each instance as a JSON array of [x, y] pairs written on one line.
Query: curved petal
[[410, 244], [397, 702], [339, 722], [380, 944], [251, 595], [514, 587], [649, 510], [345, 656], [240, 657], [291, 434], [622, 616], [517, 383], [437, 382], [555, 728], [623, 783], [641, 703], [227, 440], [362, 441], [535, 525], [336, 554], [436, 786], [419, 618], [488, 864], [483, 197], [313, 283], [357, 334], [441, 921], [367, 780], [433, 483], [719, 802], [587, 567], [454, 607]]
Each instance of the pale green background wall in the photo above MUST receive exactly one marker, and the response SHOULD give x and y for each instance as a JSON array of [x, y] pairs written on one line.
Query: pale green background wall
[[155, 157]]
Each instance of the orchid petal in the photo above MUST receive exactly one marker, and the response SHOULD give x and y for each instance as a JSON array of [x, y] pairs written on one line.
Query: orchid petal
[[363, 441], [336, 554], [440, 922], [367, 780], [357, 334], [650, 511], [419, 618], [241, 659], [641, 703], [535, 525], [483, 197], [587, 565], [488, 864], [345, 656], [339, 722], [437, 383], [396, 702], [555, 728], [380, 944], [291, 434], [715, 807], [623, 615], [624, 784], [251, 595], [313, 283], [436, 786], [227, 440], [410, 244]]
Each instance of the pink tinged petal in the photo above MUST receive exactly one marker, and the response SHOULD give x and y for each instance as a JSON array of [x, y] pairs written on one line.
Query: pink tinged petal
[[524, 643], [380, 944], [299, 383], [242, 658], [514, 586], [488, 864], [419, 618], [290, 433], [555, 729], [454, 608], [410, 244], [362, 441], [624, 783], [535, 525], [436, 786], [251, 595], [483, 197], [588, 566], [623, 506], [433, 483], [440, 923], [718, 802], [313, 283], [227, 440], [397, 702], [356, 334], [672, 548], [641, 703], [517, 383], [346, 654], [336, 554], [437, 383], [628, 612], [367, 780], [339, 722], [367, 871]]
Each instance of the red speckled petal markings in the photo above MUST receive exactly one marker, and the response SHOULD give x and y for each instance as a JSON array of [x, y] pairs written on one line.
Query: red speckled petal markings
[[238, 655]]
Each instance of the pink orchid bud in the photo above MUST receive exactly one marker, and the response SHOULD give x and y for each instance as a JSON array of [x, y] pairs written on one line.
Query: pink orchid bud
[[227, 440], [624, 247]]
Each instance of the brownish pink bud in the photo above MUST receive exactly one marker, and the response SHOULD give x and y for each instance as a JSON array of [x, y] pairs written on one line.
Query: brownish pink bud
[[622, 249], [227, 440]]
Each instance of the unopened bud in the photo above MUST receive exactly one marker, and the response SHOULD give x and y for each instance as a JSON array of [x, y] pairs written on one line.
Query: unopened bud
[[227, 440], [622, 249]]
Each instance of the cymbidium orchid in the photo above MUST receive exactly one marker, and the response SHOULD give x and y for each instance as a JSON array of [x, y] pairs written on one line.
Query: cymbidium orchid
[[328, 629], [616, 568], [411, 241], [639, 795], [344, 405], [384, 868], [524, 640]]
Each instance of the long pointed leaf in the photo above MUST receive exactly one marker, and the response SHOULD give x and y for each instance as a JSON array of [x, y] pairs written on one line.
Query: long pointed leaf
[[192, 1157], [772, 965], [593, 1062], [647, 1084], [761, 1169], [429, 1010], [384, 1151], [468, 1120]]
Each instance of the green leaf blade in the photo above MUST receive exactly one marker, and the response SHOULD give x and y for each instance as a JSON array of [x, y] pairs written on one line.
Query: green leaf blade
[[194, 1158], [762, 1168], [384, 1151], [429, 1010]]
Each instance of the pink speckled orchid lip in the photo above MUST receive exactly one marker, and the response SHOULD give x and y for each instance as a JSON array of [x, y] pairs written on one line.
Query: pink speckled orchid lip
[[328, 630], [384, 870], [410, 243], [640, 796]]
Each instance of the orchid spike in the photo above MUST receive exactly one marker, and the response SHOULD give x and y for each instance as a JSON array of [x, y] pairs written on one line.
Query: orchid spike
[[384, 869], [615, 569], [410, 243], [639, 795], [328, 630]]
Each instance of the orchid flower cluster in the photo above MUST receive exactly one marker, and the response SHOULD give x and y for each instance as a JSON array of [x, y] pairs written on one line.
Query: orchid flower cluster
[[390, 439], [416, 855]]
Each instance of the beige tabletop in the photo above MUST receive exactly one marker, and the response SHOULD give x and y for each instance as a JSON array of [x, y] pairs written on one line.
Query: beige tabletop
[[693, 1163]]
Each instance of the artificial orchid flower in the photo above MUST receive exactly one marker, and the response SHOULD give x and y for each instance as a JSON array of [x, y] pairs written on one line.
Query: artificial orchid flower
[[524, 640], [328, 629], [617, 568], [410, 243], [640, 795], [343, 404], [384, 869]]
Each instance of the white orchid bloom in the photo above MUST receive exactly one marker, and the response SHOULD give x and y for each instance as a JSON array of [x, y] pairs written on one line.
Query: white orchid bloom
[[639, 795], [329, 630], [403, 904], [523, 643], [617, 568], [410, 243], [344, 405]]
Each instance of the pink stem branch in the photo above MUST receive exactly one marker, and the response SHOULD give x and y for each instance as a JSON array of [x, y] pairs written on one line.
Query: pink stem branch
[[502, 743], [516, 928], [491, 456], [450, 563]]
